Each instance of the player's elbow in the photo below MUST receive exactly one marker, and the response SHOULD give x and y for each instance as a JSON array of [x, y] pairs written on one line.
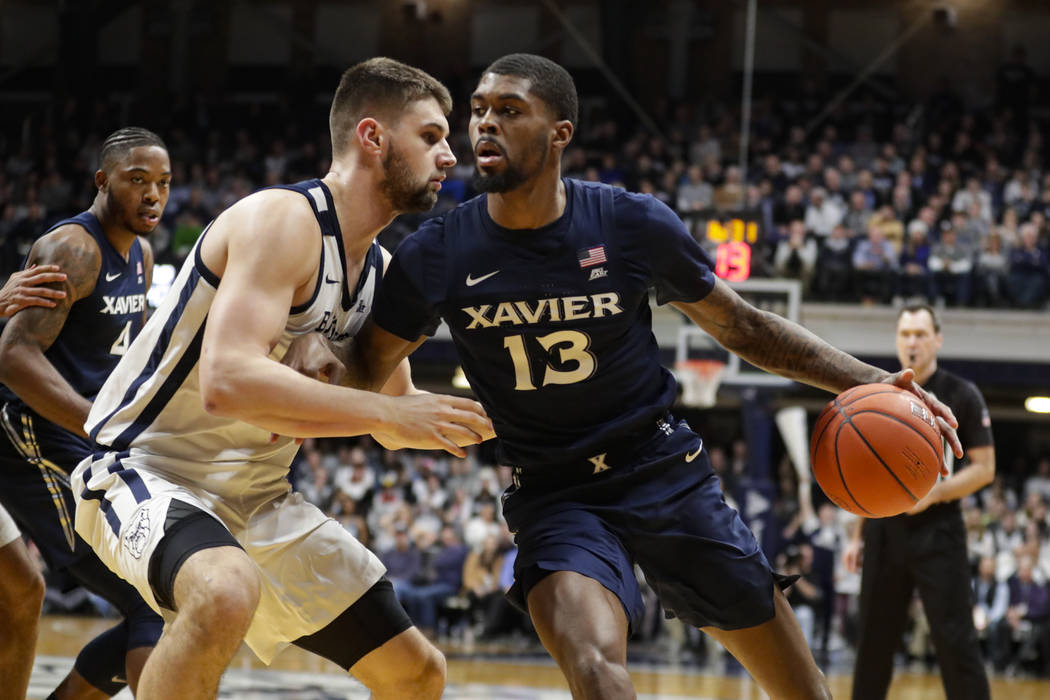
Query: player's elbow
[[219, 392], [12, 364], [987, 473]]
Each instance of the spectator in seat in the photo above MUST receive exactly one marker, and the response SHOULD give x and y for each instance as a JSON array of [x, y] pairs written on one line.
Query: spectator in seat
[[992, 597], [1028, 269], [875, 265], [441, 576], [833, 281], [796, 255], [1023, 635], [913, 283], [990, 272], [823, 213], [951, 264]]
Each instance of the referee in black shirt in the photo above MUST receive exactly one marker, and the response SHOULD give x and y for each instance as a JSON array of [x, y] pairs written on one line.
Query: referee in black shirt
[[926, 547]]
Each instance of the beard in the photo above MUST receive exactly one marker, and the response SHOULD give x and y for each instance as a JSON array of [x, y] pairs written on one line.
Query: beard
[[509, 179], [129, 217], [398, 185], [513, 176]]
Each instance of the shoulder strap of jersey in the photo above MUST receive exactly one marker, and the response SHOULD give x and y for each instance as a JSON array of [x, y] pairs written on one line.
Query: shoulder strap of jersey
[[320, 201], [84, 219]]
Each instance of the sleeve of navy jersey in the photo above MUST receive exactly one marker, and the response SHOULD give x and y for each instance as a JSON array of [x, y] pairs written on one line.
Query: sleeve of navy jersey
[[407, 301], [679, 268]]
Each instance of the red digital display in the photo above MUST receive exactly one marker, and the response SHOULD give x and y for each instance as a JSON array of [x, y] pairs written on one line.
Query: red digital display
[[733, 261]]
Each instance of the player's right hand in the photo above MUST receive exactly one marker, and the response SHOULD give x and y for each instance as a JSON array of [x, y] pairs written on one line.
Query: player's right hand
[[851, 556], [24, 289], [427, 421]]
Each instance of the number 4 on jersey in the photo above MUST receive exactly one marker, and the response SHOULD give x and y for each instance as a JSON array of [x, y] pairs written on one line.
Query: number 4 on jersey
[[120, 345], [572, 346]]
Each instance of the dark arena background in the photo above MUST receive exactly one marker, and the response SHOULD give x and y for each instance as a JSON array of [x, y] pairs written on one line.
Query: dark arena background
[[797, 139]]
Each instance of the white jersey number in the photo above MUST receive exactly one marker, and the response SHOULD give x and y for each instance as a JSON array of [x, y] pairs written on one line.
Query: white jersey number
[[571, 346], [120, 345]]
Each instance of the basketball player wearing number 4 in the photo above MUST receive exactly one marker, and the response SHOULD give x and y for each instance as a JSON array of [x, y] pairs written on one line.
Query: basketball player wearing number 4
[[565, 363], [925, 548], [52, 362]]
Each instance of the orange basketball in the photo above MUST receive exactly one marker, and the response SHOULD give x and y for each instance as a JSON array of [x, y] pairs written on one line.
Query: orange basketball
[[876, 450]]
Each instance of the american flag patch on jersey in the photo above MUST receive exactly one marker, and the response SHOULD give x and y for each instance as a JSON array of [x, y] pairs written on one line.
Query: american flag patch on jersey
[[138, 268], [589, 257]]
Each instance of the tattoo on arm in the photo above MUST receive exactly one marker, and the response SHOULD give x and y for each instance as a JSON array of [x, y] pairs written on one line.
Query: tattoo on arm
[[77, 255], [788, 349], [776, 344]]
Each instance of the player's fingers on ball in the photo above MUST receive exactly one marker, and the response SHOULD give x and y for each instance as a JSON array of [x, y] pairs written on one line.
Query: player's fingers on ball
[[945, 411], [951, 436]]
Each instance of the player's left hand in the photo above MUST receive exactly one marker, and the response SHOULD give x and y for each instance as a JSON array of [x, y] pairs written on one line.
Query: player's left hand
[[946, 421], [24, 288]]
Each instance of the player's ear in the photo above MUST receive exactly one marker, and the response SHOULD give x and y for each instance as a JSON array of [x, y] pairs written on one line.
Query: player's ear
[[563, 131], [101, 179], [370, 137]]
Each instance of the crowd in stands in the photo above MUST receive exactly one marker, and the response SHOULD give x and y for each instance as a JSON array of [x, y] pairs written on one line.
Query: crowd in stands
[[880, 202]]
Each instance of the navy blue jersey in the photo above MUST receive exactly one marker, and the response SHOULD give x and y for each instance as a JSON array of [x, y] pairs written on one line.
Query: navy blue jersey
[[100, 327], [553, 325]]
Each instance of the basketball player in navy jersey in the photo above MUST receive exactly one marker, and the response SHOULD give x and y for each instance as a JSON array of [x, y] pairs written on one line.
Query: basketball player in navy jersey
[[53, 360], [190, 501], [543, 282], [21, 585]]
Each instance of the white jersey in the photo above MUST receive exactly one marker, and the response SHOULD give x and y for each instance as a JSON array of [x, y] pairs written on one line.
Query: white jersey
[[152, 401]]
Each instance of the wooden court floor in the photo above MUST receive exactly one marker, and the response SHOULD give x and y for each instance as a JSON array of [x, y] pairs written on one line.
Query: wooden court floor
[[476, 672]]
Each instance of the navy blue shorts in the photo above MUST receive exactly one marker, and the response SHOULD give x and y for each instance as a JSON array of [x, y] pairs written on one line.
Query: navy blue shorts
[[660, 506], [36, 457]]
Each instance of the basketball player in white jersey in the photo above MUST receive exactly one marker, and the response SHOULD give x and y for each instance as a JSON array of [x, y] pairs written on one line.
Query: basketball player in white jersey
[[191, 503]]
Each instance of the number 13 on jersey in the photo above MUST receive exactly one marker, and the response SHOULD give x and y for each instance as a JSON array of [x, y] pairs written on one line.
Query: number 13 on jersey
[[570, 347]]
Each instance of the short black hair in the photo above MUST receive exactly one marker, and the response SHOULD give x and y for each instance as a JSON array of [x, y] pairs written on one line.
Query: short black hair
[[915, 308], [117, 144], [548, 81], [379, 86]]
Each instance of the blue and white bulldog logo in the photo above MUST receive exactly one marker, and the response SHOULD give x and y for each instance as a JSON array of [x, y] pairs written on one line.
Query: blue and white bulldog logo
[[138, 534]]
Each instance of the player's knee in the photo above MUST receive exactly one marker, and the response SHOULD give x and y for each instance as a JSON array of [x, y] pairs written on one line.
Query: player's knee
[[591, 668], [223, 602], [431, 678], [819, 688], [424, 679], [22, 598]]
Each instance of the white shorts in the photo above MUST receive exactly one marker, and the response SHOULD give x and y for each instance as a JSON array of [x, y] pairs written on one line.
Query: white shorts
[[8, 530], [310, 567]]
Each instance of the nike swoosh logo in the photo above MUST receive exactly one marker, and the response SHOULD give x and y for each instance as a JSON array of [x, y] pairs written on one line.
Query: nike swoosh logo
[[471, 281], [693, 455], [110, 278], [329, 280]]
